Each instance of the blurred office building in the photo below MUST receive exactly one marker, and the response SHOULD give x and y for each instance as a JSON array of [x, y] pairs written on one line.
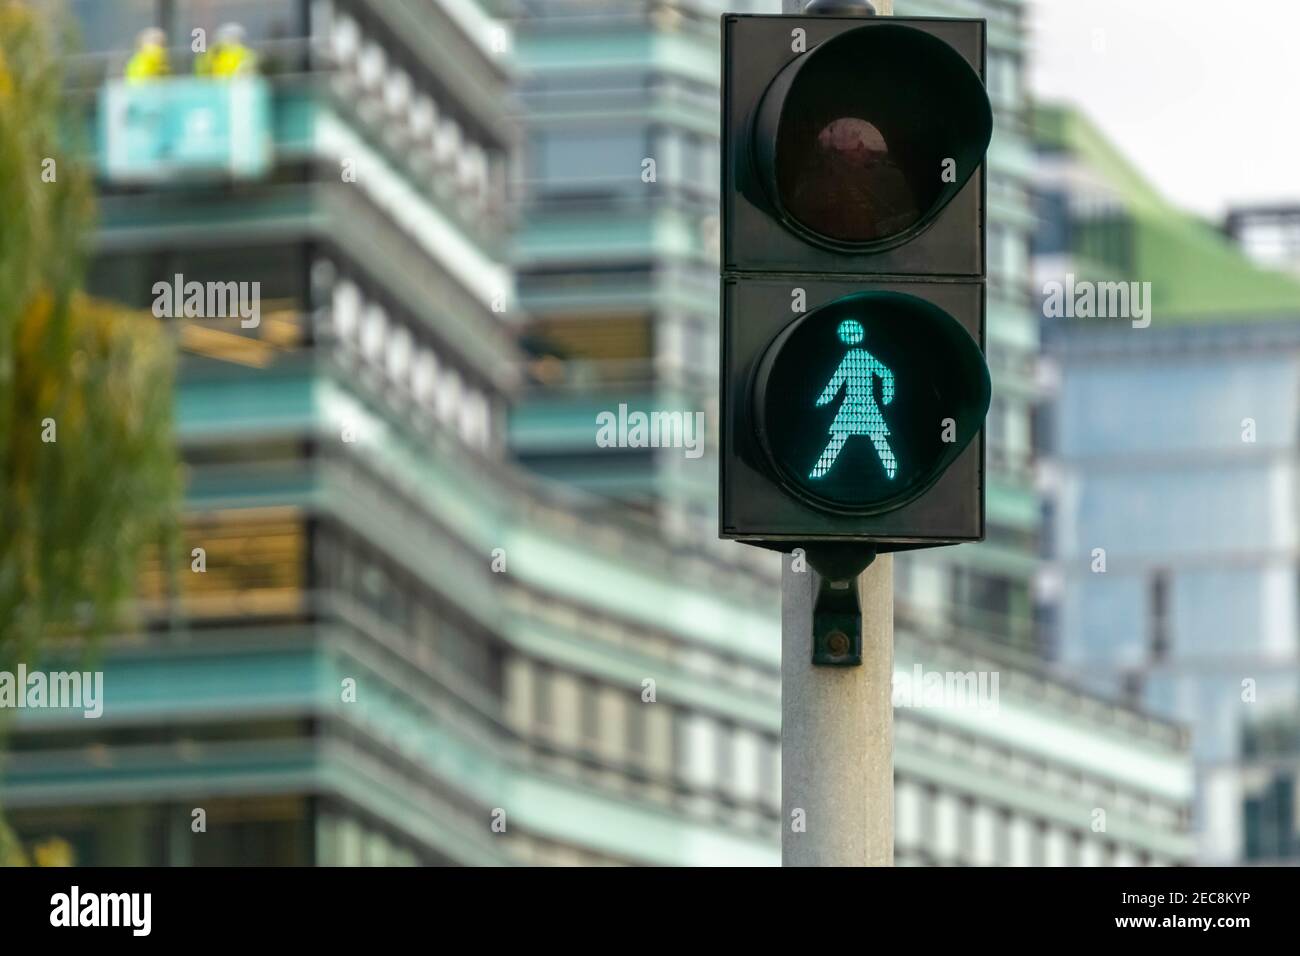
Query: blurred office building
[[421, 617], [1175, 459], [394, 645]]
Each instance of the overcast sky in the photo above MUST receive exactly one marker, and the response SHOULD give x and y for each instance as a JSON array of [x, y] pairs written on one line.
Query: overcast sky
[[1203, 96]]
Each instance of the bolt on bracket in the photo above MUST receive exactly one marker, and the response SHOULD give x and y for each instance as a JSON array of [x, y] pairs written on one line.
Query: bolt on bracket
[[836, 613]]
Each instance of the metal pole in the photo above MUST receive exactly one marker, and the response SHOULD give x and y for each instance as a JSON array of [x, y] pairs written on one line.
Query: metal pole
[[837, 730], [837, 723]]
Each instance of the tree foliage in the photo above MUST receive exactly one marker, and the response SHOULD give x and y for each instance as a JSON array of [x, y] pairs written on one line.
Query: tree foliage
[[88, 469], [76, 511]]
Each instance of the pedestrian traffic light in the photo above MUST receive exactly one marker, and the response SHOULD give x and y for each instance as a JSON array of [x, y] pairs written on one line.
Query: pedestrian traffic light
[[854, 382]]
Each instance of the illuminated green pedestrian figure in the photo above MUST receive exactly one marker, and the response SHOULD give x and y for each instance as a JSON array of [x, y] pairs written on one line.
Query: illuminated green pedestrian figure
[[858, 414]]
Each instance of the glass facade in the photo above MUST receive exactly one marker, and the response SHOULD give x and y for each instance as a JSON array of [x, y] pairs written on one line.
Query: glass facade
[[1173, 504], [1195, 613]]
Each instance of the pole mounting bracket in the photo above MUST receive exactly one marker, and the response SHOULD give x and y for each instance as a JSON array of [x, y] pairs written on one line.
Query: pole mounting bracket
[[837, 615], [840, 8]]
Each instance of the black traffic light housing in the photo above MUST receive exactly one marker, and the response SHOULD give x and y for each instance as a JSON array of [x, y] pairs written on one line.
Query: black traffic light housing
[[853, 200]]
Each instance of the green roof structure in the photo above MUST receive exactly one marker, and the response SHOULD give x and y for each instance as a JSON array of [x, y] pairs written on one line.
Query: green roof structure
[[1196, 273]]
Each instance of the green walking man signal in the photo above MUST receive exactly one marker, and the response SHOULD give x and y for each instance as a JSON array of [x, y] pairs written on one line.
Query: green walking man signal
[[859, 414]]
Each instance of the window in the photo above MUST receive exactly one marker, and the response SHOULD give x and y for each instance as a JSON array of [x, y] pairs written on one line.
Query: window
[[254, 566], [1008, 256], [269, 831], [1271, 828], [612, 716], [566, 709], [907, 814], [1056, 847], [746, 772], [1004, 79], [1074, 849], [984, 826], [770, 772], [996, 428], [131, 277], [447, 138], [1092, 853], [397, 354], [966, 808], [112, 25], [699, 158], [1023, 849], [947, 824], [374, 326], [990, 598], [697, 754], [347, 310], [636, 732], [589, 725], [596, 338], [261, 19], [1158, 617], [724, 754], [447, 396], [587, 161], [543, 709]]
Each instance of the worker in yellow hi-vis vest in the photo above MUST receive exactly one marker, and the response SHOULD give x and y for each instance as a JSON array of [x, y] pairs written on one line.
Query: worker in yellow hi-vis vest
[[229, 55], [149, 62]]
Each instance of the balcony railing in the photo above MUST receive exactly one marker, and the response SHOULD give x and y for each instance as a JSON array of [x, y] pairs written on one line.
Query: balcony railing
[[184, 127]]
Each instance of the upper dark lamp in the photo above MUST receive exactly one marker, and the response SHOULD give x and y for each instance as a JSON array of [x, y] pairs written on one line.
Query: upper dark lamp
[[861, 142]]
